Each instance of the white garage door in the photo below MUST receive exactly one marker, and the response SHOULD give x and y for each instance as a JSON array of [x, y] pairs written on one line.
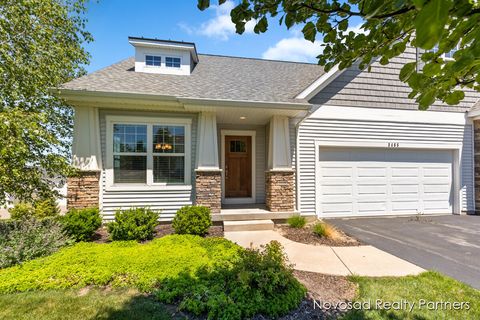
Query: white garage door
[[361, 181]]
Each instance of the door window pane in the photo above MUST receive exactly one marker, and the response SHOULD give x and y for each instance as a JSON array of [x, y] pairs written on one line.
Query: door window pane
[[168, 169], [130, 169], [238, 146]]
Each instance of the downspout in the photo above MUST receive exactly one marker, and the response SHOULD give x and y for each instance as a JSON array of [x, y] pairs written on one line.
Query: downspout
[[297, 155]]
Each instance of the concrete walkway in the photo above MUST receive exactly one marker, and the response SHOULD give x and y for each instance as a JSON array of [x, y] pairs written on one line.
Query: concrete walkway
[[343, 261]]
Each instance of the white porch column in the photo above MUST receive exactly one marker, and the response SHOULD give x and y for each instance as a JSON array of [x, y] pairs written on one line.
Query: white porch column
[[280, 177], [207, 146], [208, 178], [83, 189], [279, 156], [86, 139]]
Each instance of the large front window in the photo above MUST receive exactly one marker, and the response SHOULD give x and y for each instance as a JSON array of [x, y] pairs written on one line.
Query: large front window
[[152, 153]]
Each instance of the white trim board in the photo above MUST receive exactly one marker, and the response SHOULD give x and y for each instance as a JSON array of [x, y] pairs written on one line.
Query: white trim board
[[253, 134], [389, 115]]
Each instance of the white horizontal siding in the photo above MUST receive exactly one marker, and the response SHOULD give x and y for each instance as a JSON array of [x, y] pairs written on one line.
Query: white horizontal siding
[[351, 130], [166, 201]]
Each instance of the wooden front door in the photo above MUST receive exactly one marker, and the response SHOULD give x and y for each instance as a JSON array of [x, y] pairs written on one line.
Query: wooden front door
[[238, 166]]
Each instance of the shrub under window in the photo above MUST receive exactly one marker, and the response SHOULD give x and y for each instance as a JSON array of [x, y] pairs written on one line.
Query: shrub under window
[[81, 224], [192, 220], [133, 224]]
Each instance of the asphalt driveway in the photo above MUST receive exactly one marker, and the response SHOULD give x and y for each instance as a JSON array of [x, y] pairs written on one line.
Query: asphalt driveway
[[449, 244]]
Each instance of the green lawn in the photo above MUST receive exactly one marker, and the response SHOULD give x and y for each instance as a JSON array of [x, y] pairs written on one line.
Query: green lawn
[[429, 286], [81, 305], [119, 264]]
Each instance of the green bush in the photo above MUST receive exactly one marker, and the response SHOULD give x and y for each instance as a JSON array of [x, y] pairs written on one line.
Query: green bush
[[133, 224], [192, 220], [81, 224], [296, 221], [22, 211], [259, 282], [119, 264], [40, 209], [320, 229], [22, 240], [46, 208]]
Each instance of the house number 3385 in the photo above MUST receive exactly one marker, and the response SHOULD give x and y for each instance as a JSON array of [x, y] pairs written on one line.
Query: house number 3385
[[393, 144]]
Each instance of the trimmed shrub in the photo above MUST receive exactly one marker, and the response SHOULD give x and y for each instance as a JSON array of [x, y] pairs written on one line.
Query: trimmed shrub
[[192, 220], [81, 224], [22, 240], [133, 224], [22, 211], [296, 221], [260, 282]]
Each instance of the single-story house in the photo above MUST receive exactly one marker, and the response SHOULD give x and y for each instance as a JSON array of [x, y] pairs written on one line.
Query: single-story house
[[170, 127]]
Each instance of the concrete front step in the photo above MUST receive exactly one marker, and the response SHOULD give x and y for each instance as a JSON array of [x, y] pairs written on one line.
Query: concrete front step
[[248, 225]]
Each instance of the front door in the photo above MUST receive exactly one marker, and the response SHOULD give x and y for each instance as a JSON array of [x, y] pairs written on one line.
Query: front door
[[238, 166]]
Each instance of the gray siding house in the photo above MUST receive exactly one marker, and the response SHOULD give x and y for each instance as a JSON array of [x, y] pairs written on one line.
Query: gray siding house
[[170, 127]]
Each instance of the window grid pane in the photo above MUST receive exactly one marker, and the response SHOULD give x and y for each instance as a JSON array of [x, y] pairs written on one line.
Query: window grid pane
[[169, 169], [129, 169], [129, 138], [172, 62], [168, 139], [153, 60]]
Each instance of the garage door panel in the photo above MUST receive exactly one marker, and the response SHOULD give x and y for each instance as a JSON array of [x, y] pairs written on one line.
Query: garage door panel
[[381, 181]]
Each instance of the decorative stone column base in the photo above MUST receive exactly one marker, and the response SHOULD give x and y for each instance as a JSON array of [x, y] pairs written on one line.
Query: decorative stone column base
[[83, 190], [279, 187], [208, 189], [476, 150]]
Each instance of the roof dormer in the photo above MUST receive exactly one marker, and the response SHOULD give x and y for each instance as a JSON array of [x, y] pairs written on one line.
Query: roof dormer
[[164, 56]]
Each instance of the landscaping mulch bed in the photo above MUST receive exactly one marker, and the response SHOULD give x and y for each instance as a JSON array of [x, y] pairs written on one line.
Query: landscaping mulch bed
[[306, 235], [322, 289], [162, 230]]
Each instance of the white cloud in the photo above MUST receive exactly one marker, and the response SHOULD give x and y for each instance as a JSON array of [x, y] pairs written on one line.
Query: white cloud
[[295, 48], [220, 26]]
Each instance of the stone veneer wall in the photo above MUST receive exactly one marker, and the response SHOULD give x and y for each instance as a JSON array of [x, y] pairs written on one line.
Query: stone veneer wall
[[83, 190], [476, 152], [279, 187], [208, 188]]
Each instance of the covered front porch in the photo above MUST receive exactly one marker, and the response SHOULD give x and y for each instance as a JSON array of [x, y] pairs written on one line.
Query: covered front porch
[[244, 167]]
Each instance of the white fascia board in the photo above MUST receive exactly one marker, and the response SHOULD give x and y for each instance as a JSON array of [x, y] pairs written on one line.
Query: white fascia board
[[133, 97], [320, 83], [389, 115], [245, 103]]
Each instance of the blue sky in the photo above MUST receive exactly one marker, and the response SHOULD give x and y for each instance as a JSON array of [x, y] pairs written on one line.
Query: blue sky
[[112, 21]]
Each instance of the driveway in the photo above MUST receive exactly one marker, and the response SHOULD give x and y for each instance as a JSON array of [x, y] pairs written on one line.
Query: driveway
[[449, 244]]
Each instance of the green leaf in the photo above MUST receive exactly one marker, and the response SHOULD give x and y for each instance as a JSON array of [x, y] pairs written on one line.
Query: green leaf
[[430, 22], [309, 31], [203, 4], [426, 99], [407, 70], [261, 26], [432, 69], [454, 97]]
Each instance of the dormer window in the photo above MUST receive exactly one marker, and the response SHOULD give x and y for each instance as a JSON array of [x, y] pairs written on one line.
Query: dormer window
[[172, 62], [164, 56], [153, 61]]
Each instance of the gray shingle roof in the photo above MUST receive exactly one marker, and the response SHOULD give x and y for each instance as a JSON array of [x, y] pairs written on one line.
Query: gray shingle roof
[[214, 77]]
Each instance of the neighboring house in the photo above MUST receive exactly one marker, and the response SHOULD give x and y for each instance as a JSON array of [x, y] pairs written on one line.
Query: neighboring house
[[170, 127]]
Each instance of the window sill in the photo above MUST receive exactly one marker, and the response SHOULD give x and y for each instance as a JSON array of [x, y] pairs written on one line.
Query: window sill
[[145, 187]]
